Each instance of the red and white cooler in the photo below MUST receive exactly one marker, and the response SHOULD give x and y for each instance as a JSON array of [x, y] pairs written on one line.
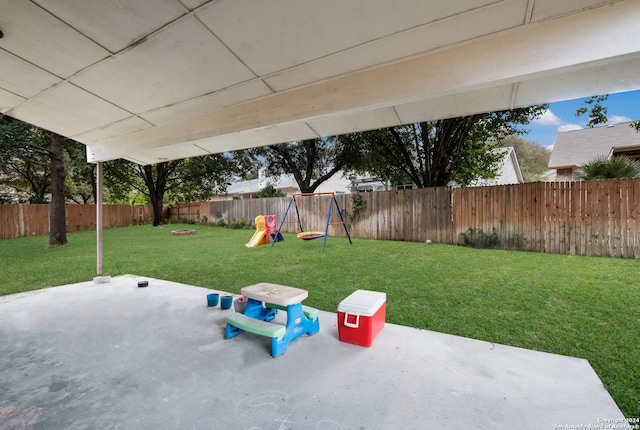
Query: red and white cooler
[[361, 316]]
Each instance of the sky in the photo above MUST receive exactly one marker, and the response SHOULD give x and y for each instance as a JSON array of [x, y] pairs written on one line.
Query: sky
[[561, 116]]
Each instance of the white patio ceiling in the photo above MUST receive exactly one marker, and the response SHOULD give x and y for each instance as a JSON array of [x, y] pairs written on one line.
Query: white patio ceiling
[[155, 80]]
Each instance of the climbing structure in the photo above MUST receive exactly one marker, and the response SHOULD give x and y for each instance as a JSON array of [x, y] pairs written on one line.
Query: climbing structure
[[265, 230]]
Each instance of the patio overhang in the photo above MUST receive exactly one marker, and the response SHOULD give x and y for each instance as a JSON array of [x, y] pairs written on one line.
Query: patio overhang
[[168, 79]]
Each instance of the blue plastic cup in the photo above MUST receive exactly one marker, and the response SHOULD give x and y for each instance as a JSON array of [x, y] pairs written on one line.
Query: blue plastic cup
[[226, 302], [212, 299]]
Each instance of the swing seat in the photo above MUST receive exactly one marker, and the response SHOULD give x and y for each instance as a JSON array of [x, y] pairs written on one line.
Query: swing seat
[[310, 235]]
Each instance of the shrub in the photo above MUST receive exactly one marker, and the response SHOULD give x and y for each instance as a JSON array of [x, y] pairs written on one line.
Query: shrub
[[239, 224], [614, 168], [359, 203], [270, 191], [477, 238]]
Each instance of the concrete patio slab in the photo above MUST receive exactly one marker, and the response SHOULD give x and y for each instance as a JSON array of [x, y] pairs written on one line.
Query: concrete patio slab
[[115, 356]]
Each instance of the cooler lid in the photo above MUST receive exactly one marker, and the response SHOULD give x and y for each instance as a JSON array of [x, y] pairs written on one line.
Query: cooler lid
[[362, 302]]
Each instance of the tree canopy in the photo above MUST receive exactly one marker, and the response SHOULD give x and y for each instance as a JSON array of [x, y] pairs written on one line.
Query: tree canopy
[[80, 186], [24, 161], [25, 171], [188, 179], [426, 154], [32, 161], [270, 191], [310, 161], [434, 153], [533, 158], [597, 110]]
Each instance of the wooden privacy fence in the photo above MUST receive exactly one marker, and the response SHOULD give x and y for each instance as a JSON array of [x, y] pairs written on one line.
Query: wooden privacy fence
[[409, 215], [19, 220], [599, 218]]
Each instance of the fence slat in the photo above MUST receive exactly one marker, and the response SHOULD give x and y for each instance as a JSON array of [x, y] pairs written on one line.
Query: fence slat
[[600, 218], [21, 220]]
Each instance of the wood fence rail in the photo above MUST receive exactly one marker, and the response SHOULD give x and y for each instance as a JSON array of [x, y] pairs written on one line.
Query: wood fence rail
[[592, 218], [20, 220], [598, 218], [406, 215]]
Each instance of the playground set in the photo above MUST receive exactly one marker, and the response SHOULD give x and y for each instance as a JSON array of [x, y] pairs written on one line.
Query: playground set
[[266, 232]]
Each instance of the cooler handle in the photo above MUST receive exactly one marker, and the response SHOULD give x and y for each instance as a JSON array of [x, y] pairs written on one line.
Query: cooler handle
[[351, 325]]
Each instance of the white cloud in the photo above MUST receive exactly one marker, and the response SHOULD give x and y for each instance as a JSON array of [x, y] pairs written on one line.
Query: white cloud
[[569, 127], [548, 118], [617, 119]]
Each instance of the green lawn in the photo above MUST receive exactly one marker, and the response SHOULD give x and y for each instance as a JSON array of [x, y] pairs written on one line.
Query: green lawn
[[577, 306]]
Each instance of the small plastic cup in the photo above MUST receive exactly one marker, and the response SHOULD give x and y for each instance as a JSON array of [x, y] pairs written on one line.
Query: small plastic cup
[[240, 305], [226, 302], [212, 299]]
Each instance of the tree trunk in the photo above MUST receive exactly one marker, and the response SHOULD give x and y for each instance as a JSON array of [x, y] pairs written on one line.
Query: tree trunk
[[158, 215], [156, 185], [94, 184], [57, 214]]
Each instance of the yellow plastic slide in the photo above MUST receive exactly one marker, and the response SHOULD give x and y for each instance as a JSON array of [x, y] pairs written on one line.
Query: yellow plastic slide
[[260, 236]]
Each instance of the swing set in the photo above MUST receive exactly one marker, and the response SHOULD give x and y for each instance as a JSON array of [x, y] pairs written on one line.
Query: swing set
[[296, 202]]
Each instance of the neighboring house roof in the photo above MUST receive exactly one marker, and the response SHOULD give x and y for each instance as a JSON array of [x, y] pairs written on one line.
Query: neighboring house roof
[[367, 183], [337, 184], [508, 172], [578, 147], [256, 185], [244, 187]]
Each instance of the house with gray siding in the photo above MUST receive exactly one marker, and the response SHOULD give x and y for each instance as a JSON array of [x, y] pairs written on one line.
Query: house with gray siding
[[573, 149]]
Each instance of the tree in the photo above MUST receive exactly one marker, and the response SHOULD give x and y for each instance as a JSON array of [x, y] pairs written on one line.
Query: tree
[[434, 153], [533, 158], [22, 147], [182, 180], [24, 160], [310, 161], [80, 184], [597, 111], [57, 207], [596, 108], [270, 191], [610, 168]]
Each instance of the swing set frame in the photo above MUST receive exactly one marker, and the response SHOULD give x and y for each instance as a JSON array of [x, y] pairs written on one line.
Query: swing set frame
[[309, 235]]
